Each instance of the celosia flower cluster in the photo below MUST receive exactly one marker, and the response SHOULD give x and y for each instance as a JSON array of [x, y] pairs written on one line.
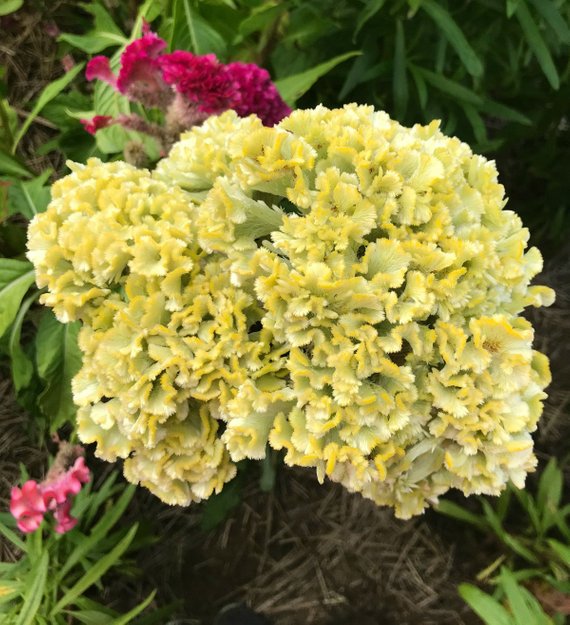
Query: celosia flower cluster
[[337, 286], [186, 86], [29, 504]]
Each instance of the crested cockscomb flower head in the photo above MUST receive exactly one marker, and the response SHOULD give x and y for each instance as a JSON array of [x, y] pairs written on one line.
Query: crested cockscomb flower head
[[201, 79], [140, 77], [256, 93]]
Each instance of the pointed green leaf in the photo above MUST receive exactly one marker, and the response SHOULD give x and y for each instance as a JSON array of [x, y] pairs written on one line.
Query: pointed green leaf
[[129, 616], [454, 35], [90, 617], [95, 573], [34, 593], [488, 608], [48, 94], [11, 166], [10, 6], [561, 550], [21, 363], [13, 538], [512, 7], [104, 34], [537, 44], [30, 197], [191, 31], [516, 598], [58, 360], [450, 87], [16, 277], [455, 511], [552, 16], [293, 87], [368, 12]]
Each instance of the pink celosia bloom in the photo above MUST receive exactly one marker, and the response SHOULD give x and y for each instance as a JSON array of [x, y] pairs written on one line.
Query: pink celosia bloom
[[65, 521], [140, 76], [201, 79], [96, 123], [27, 506], [256, 93], [98, 67]]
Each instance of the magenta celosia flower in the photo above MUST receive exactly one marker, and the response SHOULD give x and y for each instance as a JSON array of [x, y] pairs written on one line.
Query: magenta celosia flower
[[27, 506], [96, 123], [256, 93], [64, 520], [140, 77], [201, 79], [98, 67]]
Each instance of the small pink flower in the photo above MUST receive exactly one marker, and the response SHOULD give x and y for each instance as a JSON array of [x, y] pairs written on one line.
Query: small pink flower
[[68, 62], [201, 79], [96, 123], [98, 67], [65, 521], [256, 93], [27, 506]]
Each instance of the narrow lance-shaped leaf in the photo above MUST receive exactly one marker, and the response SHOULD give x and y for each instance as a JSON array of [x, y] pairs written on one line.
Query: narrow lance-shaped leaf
[[553, 18], [95, 572], [21, 363], [454, 35], [34, 592], [537, 44], [16, 277], [489, 609], [293, 87], [48, 94]]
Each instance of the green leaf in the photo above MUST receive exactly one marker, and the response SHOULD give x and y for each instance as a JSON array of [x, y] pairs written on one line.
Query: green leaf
[[58, 360], [190, 30], [129, 616], [553, 18], [561, 550], [35, 587], [100, 531], [48, 94], [11, 166], [16, 277], [537, 44], [13, 538], [512, 7], [28, 198], [454, 511], [10, 6], [454, 35], [21, 363], [516, 598], [449, 87], [550, 489], [477, 124], [368, 12], [400, 80], [504, 112], [95, 573], [260, 18], [293, 87], [91, 617], [421, 88], [489, 609], [104, 34]]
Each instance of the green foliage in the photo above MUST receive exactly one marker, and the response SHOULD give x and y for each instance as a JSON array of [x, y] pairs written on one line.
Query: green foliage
[[48, 584], [522, 607], [534, 531]]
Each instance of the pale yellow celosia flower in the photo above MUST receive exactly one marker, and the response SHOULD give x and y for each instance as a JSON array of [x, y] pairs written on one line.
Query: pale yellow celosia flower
[[338, 286]]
